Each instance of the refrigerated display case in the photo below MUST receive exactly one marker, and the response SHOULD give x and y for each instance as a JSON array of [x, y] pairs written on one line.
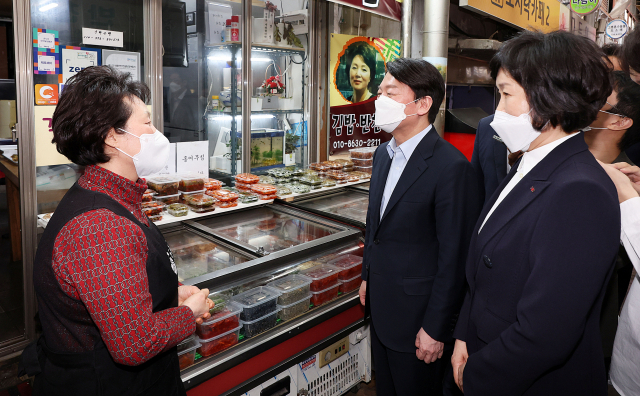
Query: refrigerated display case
[[347, 205], [239, 256]]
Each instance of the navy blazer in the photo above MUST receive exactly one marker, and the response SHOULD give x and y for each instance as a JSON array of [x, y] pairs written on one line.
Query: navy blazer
[[414, 256], [489, 159], [537, 275]]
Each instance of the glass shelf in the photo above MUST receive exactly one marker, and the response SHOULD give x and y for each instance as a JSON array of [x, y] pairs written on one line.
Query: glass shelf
[[265, 48]]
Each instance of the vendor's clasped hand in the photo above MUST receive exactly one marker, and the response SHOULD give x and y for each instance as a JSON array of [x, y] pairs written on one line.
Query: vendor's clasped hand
[[196, 299]]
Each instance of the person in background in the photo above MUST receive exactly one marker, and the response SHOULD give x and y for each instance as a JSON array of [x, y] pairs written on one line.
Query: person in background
[[361, 71], [423, 202], [625, 363], [539, 261], [630, 55], [616, 128], [111, 309], [612, 51]]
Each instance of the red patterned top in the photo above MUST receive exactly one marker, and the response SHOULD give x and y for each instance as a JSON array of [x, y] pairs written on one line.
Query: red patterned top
[[100, 259]]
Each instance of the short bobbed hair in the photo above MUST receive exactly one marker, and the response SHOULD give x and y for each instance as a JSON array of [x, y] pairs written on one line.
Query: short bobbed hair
[[368, 53], [93, 102], [565, 77], [423, 78]]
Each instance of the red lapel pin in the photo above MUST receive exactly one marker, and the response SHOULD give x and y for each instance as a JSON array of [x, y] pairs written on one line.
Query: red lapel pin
[[532, 189]]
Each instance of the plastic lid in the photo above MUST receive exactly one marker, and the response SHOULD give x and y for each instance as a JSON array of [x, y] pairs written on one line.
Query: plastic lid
[[363, 149], [327, 289], [219, 336], [346, 261], [280, 307], [190, 177], [192, 192], [235, 18], [362, 167], [350, 280], [230, 309], [188, 345], [320, 271], [243, 322], [256, 296], [163, 179], [289, 283]]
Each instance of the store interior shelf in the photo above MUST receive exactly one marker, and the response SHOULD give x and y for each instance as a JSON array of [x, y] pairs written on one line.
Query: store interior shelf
[[227, 111]]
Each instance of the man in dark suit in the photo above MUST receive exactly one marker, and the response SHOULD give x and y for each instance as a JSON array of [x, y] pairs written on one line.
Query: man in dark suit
[[423, 204], [489, 158]]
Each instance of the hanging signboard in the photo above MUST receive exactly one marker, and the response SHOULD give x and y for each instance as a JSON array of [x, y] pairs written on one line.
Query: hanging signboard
[[580, 27], [584, 7], [357, 66], [617, 29], [388, 8], [525, 14]]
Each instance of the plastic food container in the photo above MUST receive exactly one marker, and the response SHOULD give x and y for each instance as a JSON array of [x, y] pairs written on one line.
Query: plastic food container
[[266, 179], [212, 184], [345, 163], [148, 196], [336, 175], [220, 301], [187, 352], [293, 288], [365, 162], [267, 196], [298, 188], [219, 323], [362, 153], [327, 182], [188, 184], [350, 285], [362, 175], [163, 185], [225, 205], [184, 194], [349, 264], [256, 302], [320, 167], [246, 198], [247, 178], [223, 195], [352, 179], [199, 202], [178, 209], [155, 218], [324, 296], [311, 180], [218, 343], [363, 169], [169, 199], [335, 165], [264, 189], [296, 308], [282, 191], [153, 209], [243, 187], [323, 276], [259, 325]]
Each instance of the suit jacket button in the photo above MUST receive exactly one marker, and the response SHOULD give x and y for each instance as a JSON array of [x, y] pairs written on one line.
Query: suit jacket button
[[487, 261], [376, 241]]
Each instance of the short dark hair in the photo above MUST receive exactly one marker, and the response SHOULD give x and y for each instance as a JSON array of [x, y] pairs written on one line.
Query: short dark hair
[[368, 54], [631, 51], [628, 105], [423, 79], [92, 102], [565, 77], [611, 49]]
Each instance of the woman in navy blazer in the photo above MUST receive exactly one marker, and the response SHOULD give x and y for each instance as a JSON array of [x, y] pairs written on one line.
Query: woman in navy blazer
[[545, 244]]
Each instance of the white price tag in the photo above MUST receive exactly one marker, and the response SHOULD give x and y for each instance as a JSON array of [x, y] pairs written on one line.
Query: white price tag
[[46, 40], [107, 38]]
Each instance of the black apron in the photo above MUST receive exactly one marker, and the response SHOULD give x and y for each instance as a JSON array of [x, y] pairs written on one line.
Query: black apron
[[95, 372]]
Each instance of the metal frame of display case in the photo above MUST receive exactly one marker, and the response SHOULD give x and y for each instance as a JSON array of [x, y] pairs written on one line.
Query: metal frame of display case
[[342, 219], [280, 263]]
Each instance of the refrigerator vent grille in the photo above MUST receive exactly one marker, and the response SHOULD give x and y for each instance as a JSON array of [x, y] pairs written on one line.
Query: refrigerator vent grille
[[338, 380]]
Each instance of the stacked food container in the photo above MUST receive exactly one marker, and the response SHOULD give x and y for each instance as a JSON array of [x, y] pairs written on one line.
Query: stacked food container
[[362, 159], [350, 276], [187, 351], [295, 295], [324, 283], [259, 310], [221, 330]]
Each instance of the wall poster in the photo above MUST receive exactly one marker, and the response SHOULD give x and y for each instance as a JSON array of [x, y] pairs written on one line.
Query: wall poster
[[357, 66]]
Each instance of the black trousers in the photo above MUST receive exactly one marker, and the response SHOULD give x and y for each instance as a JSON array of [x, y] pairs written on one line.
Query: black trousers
[[402, 374]]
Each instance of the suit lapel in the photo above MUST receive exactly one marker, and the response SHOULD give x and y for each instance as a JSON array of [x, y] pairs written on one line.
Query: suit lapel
[[526, 191], [381, 171], [416, 165]]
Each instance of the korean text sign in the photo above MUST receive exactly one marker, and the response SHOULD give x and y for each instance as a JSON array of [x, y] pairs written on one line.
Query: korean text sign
[[527, 14]]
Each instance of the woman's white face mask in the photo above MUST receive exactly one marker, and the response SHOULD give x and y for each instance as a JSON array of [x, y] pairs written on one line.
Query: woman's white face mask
[[153, 154], [516, 132]]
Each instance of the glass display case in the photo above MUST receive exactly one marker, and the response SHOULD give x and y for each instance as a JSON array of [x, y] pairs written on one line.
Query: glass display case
[[207, 96], [253, 262], [348, 205]]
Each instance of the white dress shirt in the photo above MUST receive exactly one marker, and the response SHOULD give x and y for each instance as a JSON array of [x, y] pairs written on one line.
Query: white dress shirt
[[528, 161], [625, 362], [399, 157]]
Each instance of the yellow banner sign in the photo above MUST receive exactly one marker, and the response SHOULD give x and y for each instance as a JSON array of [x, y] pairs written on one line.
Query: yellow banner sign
[[526, 14]]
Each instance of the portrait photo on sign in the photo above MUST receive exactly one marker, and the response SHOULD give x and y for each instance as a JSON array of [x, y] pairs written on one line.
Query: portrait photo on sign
[[360, 71]]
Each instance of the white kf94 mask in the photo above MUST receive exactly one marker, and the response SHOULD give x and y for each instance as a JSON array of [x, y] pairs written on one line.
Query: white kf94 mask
[[517, 133], [389, 113], [153, 155]]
